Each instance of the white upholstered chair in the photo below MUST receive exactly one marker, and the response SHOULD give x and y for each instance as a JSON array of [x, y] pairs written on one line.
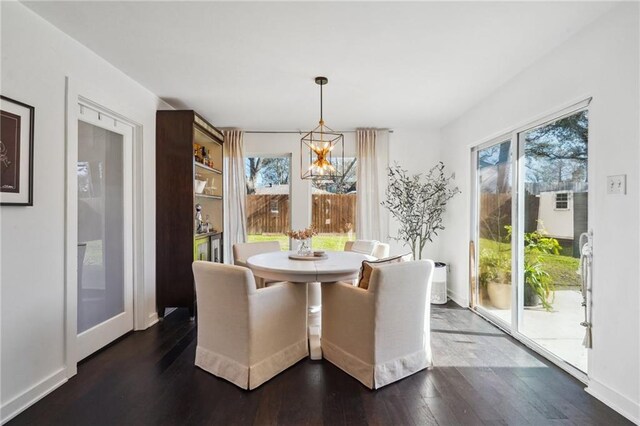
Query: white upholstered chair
[[243, 251], [373, 248], [247, 335], [361, 246], [381, 251], [382, 334]]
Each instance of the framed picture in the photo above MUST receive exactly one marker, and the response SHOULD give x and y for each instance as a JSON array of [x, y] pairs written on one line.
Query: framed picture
[[16, 153]]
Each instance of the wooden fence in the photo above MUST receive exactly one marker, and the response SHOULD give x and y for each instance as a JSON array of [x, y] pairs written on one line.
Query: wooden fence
[[331, 213], [267, 214], [495, 213]]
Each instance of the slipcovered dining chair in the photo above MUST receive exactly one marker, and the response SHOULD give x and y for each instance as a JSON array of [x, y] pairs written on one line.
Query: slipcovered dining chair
[[371, 247], [247, 335], [243, 251], [381, 251], [380, 334], [361, 246]]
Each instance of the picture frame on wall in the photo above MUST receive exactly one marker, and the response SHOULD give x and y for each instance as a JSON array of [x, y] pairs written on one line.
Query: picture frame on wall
[[16, 152]]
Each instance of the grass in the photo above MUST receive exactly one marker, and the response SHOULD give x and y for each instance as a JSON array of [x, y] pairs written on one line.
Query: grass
[[333, 242], [562, 269]]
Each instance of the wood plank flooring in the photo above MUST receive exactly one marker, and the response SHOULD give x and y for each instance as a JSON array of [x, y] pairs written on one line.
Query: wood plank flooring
[[481, 377]]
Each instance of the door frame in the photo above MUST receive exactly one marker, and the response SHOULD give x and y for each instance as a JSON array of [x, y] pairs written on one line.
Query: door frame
[[517, 238], [73, 98]]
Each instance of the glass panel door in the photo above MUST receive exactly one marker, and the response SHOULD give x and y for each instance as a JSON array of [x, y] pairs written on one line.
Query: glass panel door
[[105, 231], [494, 184], [100, 225], [554, 201]]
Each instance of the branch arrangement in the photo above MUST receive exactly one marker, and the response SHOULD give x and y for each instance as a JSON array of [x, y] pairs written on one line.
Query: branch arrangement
[[302, 234], [418, 203]]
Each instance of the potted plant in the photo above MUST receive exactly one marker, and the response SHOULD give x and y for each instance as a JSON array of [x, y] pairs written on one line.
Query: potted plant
[[494, 275], [539, 286], [418, 202]]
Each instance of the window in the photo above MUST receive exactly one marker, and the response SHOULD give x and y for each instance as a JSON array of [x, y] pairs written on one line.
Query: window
[[333, 208], [562, 201], [268, 198]]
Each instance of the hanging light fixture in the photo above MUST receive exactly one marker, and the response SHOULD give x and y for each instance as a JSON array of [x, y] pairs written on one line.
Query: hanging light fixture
[[325, 149]]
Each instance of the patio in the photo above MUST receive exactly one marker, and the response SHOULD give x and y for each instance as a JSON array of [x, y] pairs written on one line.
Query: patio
[[558, 331]]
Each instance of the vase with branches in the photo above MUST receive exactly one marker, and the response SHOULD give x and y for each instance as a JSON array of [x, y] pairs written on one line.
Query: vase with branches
[[418, 203]]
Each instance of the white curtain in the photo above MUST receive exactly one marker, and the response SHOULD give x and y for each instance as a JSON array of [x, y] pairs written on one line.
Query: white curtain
[[372, 153], [235, 219]]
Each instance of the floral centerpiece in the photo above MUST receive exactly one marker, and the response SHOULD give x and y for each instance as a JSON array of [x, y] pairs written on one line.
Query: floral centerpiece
[[304, 238]]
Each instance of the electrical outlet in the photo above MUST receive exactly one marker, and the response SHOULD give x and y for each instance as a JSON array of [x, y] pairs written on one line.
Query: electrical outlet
[[617, 184]]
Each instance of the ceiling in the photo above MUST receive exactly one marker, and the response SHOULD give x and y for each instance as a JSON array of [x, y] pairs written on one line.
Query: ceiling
[[252, 65]]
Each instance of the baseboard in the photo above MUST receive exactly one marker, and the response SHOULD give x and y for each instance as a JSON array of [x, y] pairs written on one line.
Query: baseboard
[[458, 298], [618, 402], [32, 395], [153, 318]]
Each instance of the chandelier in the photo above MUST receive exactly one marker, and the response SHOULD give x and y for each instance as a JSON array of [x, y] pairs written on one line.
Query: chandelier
[[325, 149]]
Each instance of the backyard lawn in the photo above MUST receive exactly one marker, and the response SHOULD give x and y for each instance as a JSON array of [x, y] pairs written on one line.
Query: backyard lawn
[[333, 242], [561, 268]]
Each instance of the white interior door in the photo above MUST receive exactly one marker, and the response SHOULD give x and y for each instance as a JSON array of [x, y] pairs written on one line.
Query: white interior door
[[105, 230]]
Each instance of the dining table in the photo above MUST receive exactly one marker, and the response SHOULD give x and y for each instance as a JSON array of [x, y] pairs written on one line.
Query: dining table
[[334, 266]]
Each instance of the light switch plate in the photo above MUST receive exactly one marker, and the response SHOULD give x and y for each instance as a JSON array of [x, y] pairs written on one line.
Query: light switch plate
[[617, 184]]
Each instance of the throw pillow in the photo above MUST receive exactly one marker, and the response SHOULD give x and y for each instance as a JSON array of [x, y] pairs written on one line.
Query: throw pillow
[[368, 265]]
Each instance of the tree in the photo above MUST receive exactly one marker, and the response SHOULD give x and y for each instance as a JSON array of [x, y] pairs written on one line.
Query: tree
[[558, 152], [252, 167], [275, 171], [418, 203], [345, 183], [266, 171]]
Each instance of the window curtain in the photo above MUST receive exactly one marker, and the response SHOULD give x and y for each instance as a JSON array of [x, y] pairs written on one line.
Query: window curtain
[[372, 152], [235, 219]]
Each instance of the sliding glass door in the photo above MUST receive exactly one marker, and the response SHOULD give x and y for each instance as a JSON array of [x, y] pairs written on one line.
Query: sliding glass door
[[531, 192], [554, 203], [494, 200]]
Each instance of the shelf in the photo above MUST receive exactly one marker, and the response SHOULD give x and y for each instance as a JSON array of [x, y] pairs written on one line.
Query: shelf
[[212, 197], [207, 234], [211, 169]]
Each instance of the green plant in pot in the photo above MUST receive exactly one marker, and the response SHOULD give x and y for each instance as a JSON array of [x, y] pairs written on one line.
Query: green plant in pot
[[495, 276], [539, 286]]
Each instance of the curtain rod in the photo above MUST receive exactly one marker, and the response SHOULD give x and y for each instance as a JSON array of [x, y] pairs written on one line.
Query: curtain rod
[[298, 131]]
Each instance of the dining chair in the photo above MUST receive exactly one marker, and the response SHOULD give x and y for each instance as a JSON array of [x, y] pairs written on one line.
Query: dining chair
[[243, 251], [380, 334], [361, 246], [247, 335], [381, 251]]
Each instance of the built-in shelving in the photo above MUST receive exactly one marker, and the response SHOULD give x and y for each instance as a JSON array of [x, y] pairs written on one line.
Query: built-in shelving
[[210, 169], [212, 197], [181, 137]]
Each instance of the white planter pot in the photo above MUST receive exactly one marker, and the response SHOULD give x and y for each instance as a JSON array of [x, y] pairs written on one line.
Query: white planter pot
[[500, 295]]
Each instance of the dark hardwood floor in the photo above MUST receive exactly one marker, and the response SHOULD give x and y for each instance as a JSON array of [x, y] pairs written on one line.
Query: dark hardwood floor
[[481, 376]]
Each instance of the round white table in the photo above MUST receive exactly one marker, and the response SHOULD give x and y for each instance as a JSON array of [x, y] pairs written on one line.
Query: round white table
[[338, 266]]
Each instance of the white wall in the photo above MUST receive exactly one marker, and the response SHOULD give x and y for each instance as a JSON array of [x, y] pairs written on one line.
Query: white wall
[[601, 61], [36, 57]]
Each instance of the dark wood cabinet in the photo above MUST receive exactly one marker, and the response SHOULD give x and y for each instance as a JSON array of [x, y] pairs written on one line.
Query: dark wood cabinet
[[189, 172]]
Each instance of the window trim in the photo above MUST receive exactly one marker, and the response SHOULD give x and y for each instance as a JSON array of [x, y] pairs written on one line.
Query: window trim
[[567, 201]]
